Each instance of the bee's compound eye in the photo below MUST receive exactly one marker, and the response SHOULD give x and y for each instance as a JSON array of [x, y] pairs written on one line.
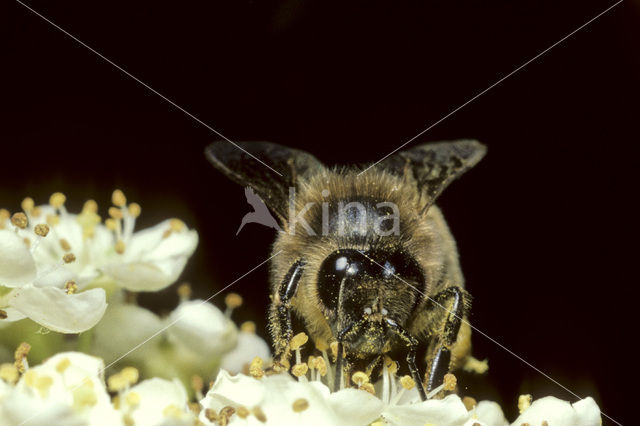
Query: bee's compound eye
[[335, 268]]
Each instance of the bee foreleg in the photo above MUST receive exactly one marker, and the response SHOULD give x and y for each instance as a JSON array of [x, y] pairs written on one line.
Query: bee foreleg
[[412, 344], [280, 314], [452, 302]]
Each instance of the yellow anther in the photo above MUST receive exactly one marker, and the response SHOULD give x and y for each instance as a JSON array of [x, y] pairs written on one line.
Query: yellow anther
[[243, 412], [172, 411], [20, 220], [115, 213], [3, 314], [135, 209], [299, 370], [176, 225], [69, 258], [4, 214], [42, 229], [27, 241], [298, 340], [27, 205], [248, 327], [233, 300], [111, 224], [360, 378], [211, 415], [259, 414], [321, 345], [30, 378], [71, 287], [450, 382], [132, 398], [130, 374], [255, 368], [197, 384], [524, 401], [369, 388], [63, 365], [9, 373], [407, 382], [36, 212], [321, 365], [311, 362], [43, 383], [118, 198], [90, 206], [300, 405], [117, 383], [469, 403], [334, 350], [20, 354], [53, 219], [225, 414], [57, 200], [392, 366], [120, 247], [64, 245], [127, 420], [84, 396], [184, 291]]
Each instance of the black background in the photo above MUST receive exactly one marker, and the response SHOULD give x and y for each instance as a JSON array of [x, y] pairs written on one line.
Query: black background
[[544, 223]]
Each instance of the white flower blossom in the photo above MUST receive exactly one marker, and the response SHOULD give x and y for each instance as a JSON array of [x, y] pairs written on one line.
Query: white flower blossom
[[67, 389], [562, 413], [249, 346]]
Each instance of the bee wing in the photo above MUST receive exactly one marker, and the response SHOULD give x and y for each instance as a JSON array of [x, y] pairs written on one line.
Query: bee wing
[[242, 164], [433, 166]]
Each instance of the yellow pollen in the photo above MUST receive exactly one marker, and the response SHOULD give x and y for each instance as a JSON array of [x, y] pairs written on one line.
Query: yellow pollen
[[321, 365], [27, 205], [524, 401], [64, 244], [71, 287], [69, 258], [172, 411], [369, 388], [135, 209], [334, 350], [197, 384], [20, 355], [299, 370], [57, 200], [211, 415], [469, 402], [255, 368], [407, 382], [90, 206], [4, 215], [298, 340], [20, 220], [115, 213], [184, 291], [9, 373], [311, 362], [53, 219], [41, 229], [226, 413], [243, 412], [300, 405], [259, 414], [321, 345], [176, 225], [36, 212], [360, 378], [111, 224], [120, 247], [117, 383], [3, 314], [248, 327], [63, 365], [450, 382], [233, 300], [130, 374], [132, 398], [118, 198]]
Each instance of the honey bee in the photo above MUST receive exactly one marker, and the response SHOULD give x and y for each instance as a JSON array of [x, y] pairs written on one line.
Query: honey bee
[[364, 257]]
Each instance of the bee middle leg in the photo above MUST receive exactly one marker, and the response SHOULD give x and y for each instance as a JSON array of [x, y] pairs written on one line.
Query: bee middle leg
[[280, 314], [453, 302], [412, 344]]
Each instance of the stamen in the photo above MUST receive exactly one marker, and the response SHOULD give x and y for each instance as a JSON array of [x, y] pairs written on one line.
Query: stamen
[[243, 412], [334, 350], [360, 378], [300, 405], [132, 398], [53, 219], [232, 300], [255, 368], [3, 314], [69, 258], [450, 382], [197, 384], [117, 383], [211, 415], [57, 200], [321, 365], [63, 365], [27, 205], [120, 247], [64, 244], [71, 287], [20, 220], [20, 357], [259, 414], [130, 374], [90, 206], [36, 212], [299, 370], [435, 391], [172, 411], [248, 327], [184, 292], [115, 213], [134, 210], [41, 229], [118, 198], [298, 340], [469, 403], [524, 402], [407, 382], [9, 373], [111, 224], [369, 388], [176, 225]]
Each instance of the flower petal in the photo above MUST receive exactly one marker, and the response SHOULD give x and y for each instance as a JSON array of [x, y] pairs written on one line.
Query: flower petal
[[160, 402], [249, 346], [449, 411], [556, 411], [357, 406], [17, 266], [490, 414], [53, 276], [59, 311]]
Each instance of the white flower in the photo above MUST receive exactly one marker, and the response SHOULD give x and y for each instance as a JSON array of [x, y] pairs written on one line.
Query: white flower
[[35, 290], [249, 346], [558, 412], [156, 402], [67, 389]]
